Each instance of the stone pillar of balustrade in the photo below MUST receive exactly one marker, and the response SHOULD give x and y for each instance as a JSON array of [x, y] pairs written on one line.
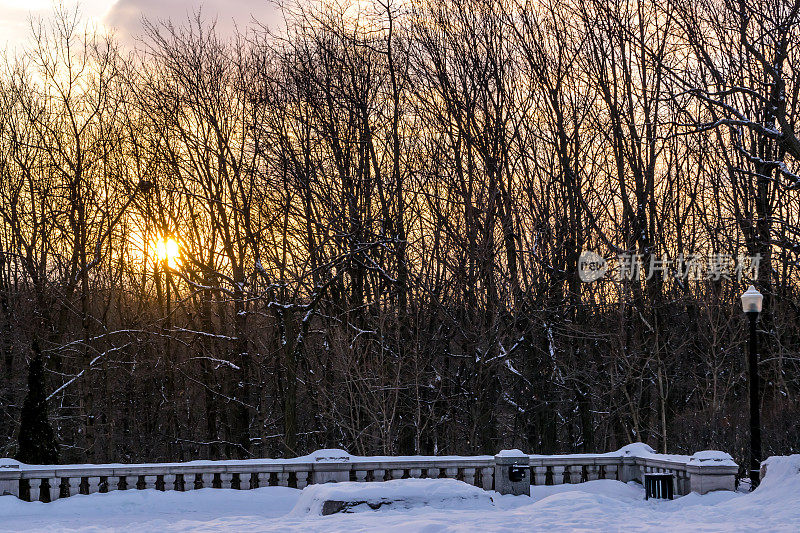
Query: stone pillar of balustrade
[[629, 470], [711, 470], [432, 473], [512, 473], [9, 477], [330, 466], [378, 474]]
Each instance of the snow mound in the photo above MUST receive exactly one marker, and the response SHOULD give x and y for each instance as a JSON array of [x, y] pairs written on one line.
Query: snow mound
[[398, 494], [781, 473], [7, 463], [609, 488], [712, 457], [332, 455], [511, 453], [637, 449]]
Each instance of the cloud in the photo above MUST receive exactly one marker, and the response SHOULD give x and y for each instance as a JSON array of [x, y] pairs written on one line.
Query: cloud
[[126, 16]]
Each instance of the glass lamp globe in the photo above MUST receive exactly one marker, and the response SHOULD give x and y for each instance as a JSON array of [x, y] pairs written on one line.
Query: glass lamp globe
[[752, 300]]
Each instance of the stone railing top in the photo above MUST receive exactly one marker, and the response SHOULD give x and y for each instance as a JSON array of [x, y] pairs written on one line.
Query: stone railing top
[[636, 450], [639, 452]]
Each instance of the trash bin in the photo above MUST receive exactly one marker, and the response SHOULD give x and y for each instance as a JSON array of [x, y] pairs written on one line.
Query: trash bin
[[659, 486]]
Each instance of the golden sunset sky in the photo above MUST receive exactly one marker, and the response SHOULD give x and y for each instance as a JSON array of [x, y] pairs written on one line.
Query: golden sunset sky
[[124, 16]]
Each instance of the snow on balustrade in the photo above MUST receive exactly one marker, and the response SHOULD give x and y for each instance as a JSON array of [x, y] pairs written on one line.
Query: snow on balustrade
[[702, 472]]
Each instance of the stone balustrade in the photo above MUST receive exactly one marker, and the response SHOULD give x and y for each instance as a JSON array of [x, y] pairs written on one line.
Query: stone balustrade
[[48, 483]]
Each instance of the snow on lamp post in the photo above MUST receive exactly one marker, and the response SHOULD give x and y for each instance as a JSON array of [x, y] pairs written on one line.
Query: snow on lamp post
[[751, 304]]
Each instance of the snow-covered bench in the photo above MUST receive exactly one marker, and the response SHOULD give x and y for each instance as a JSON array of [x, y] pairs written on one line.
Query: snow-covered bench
[[702, 472]]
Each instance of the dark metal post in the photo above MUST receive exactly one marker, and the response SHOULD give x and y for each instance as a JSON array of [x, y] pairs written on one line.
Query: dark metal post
[[755, 404]]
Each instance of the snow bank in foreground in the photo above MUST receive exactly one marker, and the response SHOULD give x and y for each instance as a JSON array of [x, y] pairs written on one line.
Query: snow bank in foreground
[[780, 473], [393, 495]]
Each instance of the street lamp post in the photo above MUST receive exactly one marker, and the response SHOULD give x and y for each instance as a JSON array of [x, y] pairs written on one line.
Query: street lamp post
[[751, 304]]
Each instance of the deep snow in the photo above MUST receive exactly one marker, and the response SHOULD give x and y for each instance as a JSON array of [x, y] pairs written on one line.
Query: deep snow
[[601, 505]]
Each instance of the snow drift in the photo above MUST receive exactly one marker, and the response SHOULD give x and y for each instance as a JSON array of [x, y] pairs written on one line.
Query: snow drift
[[354, 497]]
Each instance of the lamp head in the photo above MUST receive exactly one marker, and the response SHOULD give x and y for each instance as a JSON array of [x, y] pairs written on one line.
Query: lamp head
[[752, 300]]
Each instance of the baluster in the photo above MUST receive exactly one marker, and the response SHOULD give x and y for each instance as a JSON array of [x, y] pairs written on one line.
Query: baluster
[[283, 479], [93, 484], [451, 472], [150, 482], [207, 480], [248, 481], [540, 475], [415, 473], [432, 473], [44, 490], [397, 473], [558, 475], [225, 480], [302, 479], [575, 473], [378, 475], [73, 485], [469, 476], [169, 482], [35, 485], [611, 472], [263, 479], [55, 488], [487, 477], [592, 473], [361, 475]]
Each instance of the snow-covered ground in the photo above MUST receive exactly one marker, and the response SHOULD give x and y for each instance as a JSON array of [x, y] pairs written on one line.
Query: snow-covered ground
[[427, 505]]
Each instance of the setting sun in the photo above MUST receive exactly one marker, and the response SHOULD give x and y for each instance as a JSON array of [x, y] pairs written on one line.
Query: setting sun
[[168, 250]]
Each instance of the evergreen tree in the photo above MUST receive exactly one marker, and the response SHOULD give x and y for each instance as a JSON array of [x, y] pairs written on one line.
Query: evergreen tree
[[37, 442]]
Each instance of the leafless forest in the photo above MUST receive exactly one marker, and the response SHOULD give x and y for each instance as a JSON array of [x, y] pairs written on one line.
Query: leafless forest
[[364, 232]]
